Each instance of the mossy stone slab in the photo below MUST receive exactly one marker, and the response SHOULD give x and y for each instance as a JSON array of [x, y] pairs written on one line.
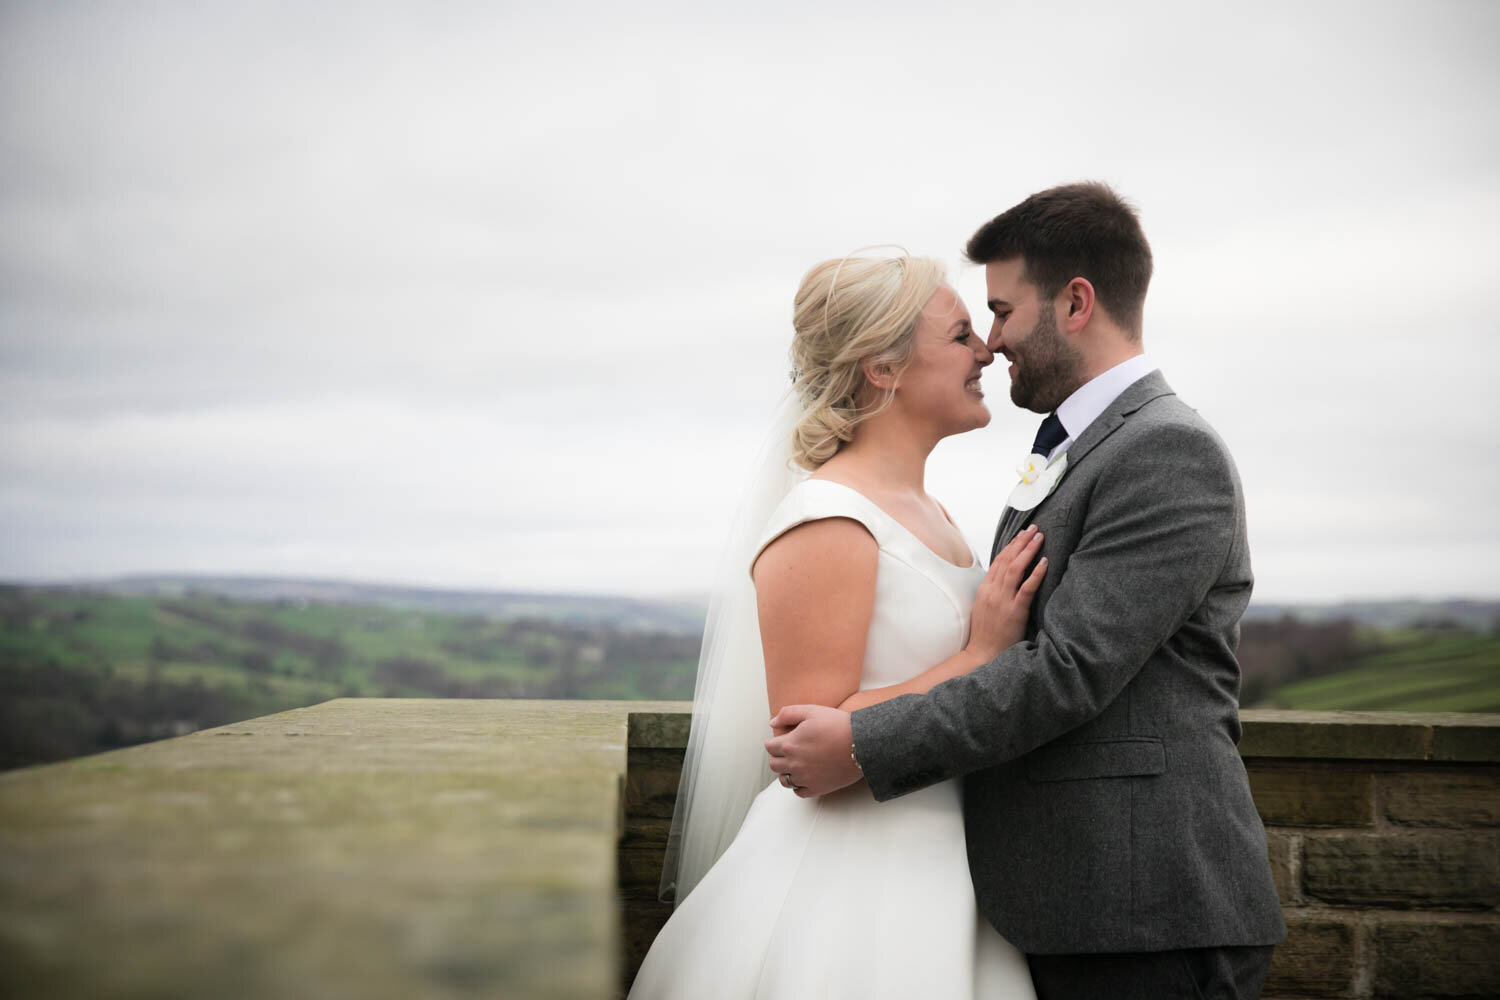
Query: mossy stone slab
[[1455, 736], [357, 848], [1469, 737], [662, 730]]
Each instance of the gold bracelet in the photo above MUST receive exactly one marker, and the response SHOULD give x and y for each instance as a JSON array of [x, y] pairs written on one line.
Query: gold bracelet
[[857, 766]]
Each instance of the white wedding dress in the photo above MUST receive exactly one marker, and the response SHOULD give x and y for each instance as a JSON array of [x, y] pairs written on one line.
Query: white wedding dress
[[841, 896]]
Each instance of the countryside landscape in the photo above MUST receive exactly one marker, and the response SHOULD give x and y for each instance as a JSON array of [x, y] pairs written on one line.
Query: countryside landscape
[[90, 668]]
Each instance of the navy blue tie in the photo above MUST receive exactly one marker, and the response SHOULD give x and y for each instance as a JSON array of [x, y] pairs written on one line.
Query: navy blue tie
[[1049, 436]]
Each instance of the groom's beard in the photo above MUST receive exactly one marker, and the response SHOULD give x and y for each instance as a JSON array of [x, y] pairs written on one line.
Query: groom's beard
[[1048, 368]]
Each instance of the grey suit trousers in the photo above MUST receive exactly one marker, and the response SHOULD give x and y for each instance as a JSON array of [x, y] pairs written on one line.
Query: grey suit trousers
[[1187, 974]]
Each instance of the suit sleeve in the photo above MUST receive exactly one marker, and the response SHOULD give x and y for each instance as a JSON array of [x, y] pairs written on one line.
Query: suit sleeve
[[1157, 533]]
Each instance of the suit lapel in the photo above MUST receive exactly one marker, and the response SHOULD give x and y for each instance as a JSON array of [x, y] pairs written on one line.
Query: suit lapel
[[1136, 395], [1004, 531]]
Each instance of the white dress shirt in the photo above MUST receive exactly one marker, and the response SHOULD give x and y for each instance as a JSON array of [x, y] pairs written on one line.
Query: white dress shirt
[[1094, 396]]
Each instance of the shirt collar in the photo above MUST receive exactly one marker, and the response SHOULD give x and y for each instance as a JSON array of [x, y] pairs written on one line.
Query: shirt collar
[[1094, 396]]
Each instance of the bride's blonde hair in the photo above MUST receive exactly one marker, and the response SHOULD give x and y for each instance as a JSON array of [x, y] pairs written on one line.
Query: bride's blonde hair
[[849, 313]]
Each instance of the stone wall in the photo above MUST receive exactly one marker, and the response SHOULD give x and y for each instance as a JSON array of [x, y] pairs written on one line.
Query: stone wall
[[1383, 831], [386, 849], [415, 848], [653, 767]]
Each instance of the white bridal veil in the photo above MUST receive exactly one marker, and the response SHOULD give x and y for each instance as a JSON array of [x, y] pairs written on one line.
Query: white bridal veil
[[726, 765]]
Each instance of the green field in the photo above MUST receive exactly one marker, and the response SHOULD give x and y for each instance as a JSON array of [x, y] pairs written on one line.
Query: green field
[[83, 671], [1407, 671]]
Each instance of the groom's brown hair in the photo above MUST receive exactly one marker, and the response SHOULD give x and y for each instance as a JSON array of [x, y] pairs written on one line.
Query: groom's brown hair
[[1074, 231]]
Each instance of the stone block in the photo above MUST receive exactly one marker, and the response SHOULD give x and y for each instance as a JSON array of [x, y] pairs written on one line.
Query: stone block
[[1437, 958], [1466, 798], [392, 848], [1434, 870], [645, 831], [651, 779], [1335, 735], [639, 871], [1316, 959], [641, 920], [661, 730], [1313, 796], [1465, 736], [1285, 853]]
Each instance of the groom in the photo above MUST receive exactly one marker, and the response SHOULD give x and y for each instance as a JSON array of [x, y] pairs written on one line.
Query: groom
[[1111, 832]]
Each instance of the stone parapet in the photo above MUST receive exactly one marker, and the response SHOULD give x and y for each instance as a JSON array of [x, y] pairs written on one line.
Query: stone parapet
[[372, 848], [1384, 836], [449, 848], [1383, 830]]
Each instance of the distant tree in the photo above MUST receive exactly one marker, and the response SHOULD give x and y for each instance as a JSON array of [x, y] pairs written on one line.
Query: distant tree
[[539, 656], [1275, 653], [413, 673], [1440, 623], [257, 661], [329, 655]]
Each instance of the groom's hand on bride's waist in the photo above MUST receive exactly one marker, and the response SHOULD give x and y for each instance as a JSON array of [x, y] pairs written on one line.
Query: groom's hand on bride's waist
[[816, 756]]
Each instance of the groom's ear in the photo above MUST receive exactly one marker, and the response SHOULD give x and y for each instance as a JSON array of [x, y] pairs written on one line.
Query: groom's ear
[[1077, 302]]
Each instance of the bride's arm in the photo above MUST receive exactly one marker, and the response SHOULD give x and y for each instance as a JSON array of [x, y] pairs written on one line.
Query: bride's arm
[[999, 621], [815, 593]]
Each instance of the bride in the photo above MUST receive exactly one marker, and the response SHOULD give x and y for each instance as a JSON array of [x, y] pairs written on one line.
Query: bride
[[857, 573]]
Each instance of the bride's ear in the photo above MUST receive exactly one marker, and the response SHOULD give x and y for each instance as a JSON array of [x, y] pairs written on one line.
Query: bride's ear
[[880, 375]]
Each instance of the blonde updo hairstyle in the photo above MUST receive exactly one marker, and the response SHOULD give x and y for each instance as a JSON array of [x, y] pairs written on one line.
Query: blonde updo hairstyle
[[850, 314]]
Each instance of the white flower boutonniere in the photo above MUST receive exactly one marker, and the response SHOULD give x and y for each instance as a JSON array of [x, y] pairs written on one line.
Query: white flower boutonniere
[[1039, 478]]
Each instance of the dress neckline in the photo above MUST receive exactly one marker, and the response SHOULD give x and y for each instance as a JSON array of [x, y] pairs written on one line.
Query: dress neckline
[[973, 560]]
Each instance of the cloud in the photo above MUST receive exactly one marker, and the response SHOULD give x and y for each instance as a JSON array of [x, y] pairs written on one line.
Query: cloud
[[502, 297]]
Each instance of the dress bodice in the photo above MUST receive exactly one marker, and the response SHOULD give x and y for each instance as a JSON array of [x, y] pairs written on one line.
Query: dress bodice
[[922, 601], [840, 896]]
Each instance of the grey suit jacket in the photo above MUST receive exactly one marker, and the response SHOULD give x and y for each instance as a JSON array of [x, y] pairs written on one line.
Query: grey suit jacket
[[1105, 802]]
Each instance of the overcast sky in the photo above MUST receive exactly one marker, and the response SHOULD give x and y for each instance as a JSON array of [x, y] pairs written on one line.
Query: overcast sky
[[499, 296]]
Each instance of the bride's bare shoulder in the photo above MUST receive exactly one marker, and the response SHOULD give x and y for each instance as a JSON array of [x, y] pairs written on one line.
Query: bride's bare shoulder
[[827, 534], [829, 544]]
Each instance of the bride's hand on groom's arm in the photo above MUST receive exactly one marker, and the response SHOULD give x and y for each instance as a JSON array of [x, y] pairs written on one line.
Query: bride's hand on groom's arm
[[816, 755], [1003, 603]]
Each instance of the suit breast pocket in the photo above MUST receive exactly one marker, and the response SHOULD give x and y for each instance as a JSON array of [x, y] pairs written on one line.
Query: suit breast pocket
[[1059, 538], [1131, 757], [1052, 520]]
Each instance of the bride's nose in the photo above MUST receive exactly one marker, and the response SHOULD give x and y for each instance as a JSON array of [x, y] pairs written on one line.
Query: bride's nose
[[983, 353]]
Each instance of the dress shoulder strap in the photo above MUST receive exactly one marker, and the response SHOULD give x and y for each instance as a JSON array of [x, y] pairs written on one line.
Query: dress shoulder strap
[[816, 499]]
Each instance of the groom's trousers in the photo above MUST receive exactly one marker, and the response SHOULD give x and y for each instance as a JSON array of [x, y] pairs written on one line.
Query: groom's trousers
[[1188, 974]]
